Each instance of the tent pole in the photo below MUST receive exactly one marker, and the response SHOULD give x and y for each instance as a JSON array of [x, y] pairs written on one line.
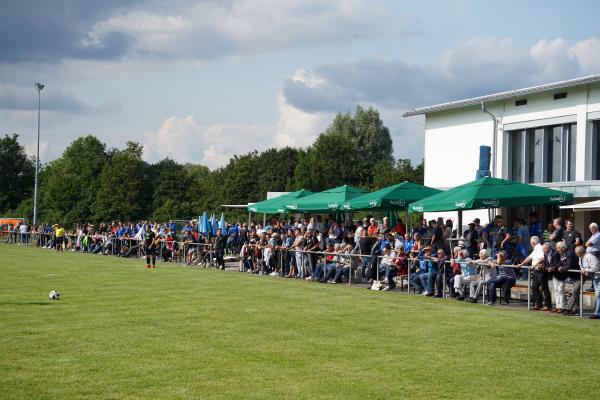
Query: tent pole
[[460, 223]]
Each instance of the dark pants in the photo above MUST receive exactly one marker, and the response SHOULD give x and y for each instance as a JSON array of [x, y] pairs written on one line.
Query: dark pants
[[390, 274], [505, 284], [573, 304], [540, 290], [439, 282], [219, 254]]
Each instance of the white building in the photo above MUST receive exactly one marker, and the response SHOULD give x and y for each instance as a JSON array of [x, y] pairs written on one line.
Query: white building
[[547, 135]]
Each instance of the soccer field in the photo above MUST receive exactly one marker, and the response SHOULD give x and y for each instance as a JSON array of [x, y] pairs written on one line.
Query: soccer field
[[125, 332]]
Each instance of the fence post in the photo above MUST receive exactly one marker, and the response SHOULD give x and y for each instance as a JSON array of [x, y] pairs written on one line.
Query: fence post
[[280, 262], [581, 293], [528, 288], [444, 281]]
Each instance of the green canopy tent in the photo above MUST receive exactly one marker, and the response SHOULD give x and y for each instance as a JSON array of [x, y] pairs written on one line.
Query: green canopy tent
[[490, 193], [277, 204], [391, 198], [326, 201]]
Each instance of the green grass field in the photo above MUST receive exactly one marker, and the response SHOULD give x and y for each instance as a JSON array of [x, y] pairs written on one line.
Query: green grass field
[[124, 332]]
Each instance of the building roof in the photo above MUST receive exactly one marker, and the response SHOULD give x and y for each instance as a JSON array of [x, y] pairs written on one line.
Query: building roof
[[504, 95]]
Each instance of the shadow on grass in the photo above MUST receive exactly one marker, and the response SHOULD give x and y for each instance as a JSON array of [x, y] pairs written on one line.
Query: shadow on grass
[[26, 303]]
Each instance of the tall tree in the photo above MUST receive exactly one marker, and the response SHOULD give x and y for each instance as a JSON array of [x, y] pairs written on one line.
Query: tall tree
[[362, 143], [16, 173], [330, 161], [71, 183], [125, 191], [172, 194]]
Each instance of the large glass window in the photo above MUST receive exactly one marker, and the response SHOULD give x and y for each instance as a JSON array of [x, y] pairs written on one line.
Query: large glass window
[[595, 150], [516, 155], [547, 154], [572, 157], [536, 155]]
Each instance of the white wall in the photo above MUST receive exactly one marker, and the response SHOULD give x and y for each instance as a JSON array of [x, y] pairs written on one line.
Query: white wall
[[452, 138]]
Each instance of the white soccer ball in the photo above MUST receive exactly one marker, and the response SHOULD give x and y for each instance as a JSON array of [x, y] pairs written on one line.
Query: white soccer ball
[[54, 295]]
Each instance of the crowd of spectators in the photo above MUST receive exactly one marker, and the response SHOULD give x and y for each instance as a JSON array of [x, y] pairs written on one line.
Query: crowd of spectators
[[431, 257]]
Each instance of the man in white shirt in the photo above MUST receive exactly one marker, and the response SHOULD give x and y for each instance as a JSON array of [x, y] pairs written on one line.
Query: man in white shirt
[[536, 257]]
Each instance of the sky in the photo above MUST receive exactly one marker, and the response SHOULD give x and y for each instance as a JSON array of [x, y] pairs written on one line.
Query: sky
[[199, 81]]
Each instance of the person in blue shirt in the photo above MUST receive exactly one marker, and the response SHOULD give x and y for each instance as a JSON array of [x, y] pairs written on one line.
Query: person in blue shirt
[[535, 226], [421, 230], [423, 265], [431, 269], [173, 226], [408, 243]]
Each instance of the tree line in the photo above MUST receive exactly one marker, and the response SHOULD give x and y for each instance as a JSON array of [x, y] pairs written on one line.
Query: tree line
[[93, 183]]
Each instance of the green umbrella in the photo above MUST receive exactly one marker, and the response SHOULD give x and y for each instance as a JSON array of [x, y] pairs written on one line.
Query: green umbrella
[[277, 205], [395, 197], [327, 200], [491, 193]]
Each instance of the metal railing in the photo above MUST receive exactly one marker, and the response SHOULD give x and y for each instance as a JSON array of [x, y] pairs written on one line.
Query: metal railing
[[279, 259]]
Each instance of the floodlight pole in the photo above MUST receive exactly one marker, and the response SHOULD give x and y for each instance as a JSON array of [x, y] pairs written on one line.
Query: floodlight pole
[[39, 88]]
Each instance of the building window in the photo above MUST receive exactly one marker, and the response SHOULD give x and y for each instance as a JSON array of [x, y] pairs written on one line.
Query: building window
[[521, 102], [595, 150], [558, 96], [544, 154]]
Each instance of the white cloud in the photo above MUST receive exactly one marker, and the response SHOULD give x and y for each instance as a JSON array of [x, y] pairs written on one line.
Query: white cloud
[[209, 30], [184, 140], [477, 66], [586, 53], [31, 149], [296, 128], [474, 67]]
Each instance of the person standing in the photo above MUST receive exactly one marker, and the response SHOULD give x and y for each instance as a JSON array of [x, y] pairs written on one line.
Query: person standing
[[558, 234], [571, 237], [537, 263], [150, 246], [559, 275], [220, 244], [59, 236]]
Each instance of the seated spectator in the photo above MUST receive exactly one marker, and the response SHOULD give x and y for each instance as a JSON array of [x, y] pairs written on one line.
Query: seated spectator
[[487, 268], [327, 263], [506, 279], [468, 274], [342, 264], [422, 267], [387, 268]]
